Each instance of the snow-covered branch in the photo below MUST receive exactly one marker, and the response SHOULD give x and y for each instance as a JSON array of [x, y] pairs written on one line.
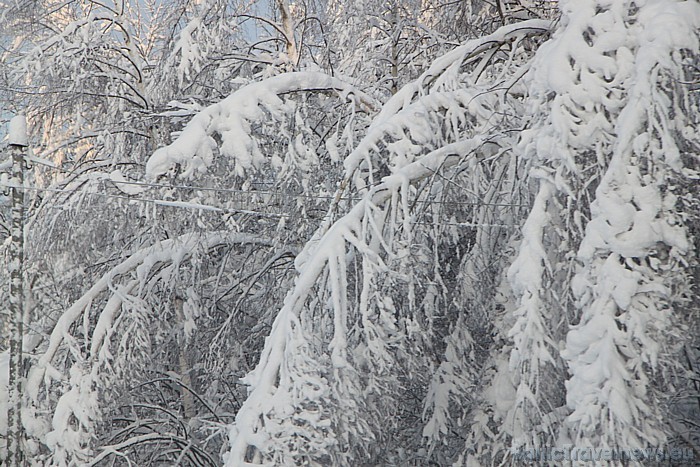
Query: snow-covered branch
[[232, 119], [269, 381], [86, 371]]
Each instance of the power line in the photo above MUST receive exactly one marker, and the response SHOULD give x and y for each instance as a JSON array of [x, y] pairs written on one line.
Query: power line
[[318, 197], [159, 202], [206, 207], [328, 197], [279, 193], [300, 196], [251, 193], [467, 224]]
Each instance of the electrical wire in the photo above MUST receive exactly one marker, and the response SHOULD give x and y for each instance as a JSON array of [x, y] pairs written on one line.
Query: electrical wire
[[159, 202], [278, 193], [249, 193], [206, 207], [470, 225]]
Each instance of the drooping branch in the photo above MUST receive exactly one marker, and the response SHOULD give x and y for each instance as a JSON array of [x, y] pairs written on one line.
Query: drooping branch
[[140, 262], [265, 379], [231, 119]]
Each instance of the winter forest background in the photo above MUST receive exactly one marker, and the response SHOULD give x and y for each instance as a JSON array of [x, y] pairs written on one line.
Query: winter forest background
[[328, 232]]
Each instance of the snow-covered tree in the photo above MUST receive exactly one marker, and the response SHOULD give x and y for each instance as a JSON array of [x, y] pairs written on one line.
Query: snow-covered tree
[[353, 232], [632, 282], [600, 279], [369, 298]]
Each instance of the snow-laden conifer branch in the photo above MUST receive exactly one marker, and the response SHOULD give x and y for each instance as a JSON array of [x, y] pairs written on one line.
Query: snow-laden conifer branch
[[568, 108]]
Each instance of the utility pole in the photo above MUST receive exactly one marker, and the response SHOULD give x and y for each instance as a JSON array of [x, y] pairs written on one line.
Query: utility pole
[[18, 145]]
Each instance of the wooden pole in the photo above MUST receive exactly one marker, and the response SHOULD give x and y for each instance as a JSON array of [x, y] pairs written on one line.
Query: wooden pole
[[18, 145]]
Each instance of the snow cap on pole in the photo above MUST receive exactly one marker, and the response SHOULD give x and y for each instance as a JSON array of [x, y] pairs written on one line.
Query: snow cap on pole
[[18, 131]]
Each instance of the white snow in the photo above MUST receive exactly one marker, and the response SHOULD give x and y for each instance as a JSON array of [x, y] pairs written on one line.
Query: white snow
[[18, 131], [232, 119], [125, 185]]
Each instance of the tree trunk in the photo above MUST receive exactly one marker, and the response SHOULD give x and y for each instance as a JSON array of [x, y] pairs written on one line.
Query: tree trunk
[[184, 368], [16, 331], [288, 29]]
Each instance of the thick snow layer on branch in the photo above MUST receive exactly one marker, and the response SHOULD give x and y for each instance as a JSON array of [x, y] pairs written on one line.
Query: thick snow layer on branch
[[124, 185], [629, 255], [232, 118], [600, 117], [72, 419], [406, 94]]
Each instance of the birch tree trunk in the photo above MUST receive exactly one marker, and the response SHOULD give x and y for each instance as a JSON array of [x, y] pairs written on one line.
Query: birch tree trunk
[[16, 331], [288, 30]]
